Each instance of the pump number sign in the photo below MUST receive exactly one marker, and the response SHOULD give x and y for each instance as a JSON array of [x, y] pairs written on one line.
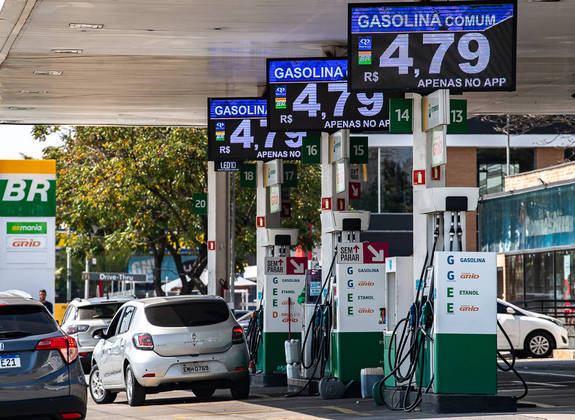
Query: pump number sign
[[312, 94], [461, 46], [237, 131]]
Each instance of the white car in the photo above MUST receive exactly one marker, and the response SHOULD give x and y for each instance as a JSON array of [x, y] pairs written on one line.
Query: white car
[[530, 333], [166, 343], [83, 317]]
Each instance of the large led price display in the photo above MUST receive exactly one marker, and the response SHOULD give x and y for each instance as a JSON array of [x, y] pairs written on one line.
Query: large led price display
[[238, 131], [312, 94], [461, 46]]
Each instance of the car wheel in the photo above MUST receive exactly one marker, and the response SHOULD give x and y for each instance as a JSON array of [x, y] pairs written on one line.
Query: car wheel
[[203, 393], [539, 344], [135, 393], [97, 391], [241, 389]]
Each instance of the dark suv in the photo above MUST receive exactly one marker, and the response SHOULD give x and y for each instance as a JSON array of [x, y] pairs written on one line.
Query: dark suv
[[40, 374]]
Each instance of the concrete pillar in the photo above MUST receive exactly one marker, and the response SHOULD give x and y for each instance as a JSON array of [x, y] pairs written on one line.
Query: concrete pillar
[[218, 230], [270, 221], [328, 190], [422, 223]]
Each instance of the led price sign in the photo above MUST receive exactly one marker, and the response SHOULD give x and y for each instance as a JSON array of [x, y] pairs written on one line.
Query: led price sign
[[312, 94], [237, 131], [461, 46]]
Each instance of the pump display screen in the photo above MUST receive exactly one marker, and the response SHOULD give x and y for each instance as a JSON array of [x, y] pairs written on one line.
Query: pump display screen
[[237, 131], [312, 94], [462, 46]]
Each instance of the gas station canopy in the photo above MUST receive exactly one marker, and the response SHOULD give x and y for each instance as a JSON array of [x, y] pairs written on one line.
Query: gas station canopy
[[143, 62]]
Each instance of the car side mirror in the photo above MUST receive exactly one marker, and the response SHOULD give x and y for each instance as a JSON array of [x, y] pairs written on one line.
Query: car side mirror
[[510, 310], [99, 334]]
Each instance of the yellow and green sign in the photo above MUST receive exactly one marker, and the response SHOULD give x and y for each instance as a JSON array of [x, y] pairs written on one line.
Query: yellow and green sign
[[26, 228], [27, 188]]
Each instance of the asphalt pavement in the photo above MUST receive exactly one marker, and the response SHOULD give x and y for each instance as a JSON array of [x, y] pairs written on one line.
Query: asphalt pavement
[[551, 396]]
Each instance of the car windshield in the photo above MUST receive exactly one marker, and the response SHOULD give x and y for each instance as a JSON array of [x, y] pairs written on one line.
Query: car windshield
[[187, 314], [100, 311], [24, 320]]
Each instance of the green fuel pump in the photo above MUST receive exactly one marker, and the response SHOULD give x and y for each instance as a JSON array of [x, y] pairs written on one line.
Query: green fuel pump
[[358, 298], [280, 314]]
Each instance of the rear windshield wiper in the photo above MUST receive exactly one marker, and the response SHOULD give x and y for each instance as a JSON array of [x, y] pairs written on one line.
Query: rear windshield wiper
[[14, 334]]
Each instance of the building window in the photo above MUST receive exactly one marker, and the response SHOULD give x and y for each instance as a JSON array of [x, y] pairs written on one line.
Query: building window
[[565, 283], [492, 166], [387, 187], [539, 284], [396, 192], [514, 279]]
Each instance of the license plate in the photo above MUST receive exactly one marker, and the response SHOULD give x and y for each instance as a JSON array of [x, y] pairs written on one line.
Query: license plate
[[196, 368], [8, 361]]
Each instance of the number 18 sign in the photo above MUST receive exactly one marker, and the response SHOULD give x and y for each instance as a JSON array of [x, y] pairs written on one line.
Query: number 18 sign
[[420, 47]]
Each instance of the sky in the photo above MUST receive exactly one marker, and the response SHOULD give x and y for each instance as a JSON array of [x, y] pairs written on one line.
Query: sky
[[17, 139]]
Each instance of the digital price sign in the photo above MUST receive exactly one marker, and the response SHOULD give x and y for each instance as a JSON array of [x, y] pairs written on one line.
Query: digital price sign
[[238, 131], [312, 94], [415, 47]]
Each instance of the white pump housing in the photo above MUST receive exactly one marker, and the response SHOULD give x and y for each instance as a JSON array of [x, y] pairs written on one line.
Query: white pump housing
[[434, 200], [270, 236], [334, 221]]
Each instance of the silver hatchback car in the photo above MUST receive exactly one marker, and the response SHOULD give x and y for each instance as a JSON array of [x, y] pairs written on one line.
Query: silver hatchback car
[[167, 343]]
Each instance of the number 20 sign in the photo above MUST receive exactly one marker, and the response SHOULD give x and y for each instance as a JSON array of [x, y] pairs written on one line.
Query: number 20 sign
[[461, 46]]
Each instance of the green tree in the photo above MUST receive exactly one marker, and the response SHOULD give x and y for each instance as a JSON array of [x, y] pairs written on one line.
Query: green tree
[[131, 187]]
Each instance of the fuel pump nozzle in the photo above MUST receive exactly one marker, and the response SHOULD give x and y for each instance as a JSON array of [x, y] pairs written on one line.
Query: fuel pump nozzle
[[459, 232]]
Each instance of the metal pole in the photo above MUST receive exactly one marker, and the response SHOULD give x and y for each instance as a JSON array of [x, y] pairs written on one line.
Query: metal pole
[[68, 270], [87, 282], [379, 179], [68, 274], [508, 148], [232, 238]]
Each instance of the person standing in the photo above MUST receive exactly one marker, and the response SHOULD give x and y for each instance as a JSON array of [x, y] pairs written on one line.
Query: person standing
[[43, 300]]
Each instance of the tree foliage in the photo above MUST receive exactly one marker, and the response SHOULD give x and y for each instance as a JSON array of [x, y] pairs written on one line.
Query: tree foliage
[[132, 187]]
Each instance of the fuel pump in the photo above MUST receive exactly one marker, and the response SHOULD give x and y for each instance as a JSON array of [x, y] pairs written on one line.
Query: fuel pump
[[281, 313], [447, 342], [358, 297]]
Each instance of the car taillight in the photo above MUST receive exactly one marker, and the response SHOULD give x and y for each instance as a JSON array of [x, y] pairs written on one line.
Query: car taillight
[[66, 345], [237, 335], [71, 416], [73, 329], [143, 341]]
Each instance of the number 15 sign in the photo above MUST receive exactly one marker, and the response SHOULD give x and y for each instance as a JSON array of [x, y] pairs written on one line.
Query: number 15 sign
[[418, 47]]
